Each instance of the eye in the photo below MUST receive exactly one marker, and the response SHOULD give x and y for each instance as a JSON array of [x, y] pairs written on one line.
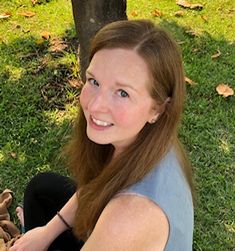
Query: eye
[[123, 94], [93, 81]]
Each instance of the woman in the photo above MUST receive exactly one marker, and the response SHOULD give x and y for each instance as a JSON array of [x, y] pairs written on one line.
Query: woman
[[133, 180]]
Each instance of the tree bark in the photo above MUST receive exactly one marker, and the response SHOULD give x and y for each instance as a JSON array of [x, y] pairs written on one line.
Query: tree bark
[[89, 17]]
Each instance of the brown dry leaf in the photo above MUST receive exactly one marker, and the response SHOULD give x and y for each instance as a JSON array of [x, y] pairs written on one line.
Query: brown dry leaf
[[186, 4], [156, 13], [75, 83], [196, 6], [13, 155], [57, 45], [27, 14], [204, 18], [34, 2], [183, 3], [189, 81], [46, 35], [5, 15], [216, 55], [179, 13], [134, 13], [224, 90]]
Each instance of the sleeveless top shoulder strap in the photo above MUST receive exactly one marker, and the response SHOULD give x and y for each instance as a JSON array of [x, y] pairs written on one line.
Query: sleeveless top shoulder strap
[[166, 186]]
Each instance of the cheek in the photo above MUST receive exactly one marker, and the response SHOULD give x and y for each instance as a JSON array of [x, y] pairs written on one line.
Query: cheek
[[120, 116], [133, 118], [127, 117], [84, 97]]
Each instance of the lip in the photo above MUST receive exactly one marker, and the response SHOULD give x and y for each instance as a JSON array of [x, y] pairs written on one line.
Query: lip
[[98, 127]]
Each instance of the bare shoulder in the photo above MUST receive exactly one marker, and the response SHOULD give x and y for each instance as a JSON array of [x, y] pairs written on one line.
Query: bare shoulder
[[129, 222]]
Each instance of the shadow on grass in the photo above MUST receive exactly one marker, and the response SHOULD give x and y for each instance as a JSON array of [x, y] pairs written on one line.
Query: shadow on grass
[[209, 134], [34, 93], [34, 124]]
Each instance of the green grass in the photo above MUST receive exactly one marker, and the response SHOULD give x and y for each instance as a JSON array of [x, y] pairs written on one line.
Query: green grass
[[37, 104]]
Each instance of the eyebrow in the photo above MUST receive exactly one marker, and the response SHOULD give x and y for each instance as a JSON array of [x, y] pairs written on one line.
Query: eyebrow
[[126, 86], [90, 73], [116, 83]]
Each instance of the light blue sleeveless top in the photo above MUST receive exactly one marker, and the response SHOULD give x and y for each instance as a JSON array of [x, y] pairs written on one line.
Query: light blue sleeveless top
[[166, 186]]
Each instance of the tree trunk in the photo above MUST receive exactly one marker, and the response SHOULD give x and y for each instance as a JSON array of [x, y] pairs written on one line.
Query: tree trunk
[[89, 17]]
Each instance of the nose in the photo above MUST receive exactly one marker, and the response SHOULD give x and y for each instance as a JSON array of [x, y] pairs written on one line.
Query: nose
[[99, 102]]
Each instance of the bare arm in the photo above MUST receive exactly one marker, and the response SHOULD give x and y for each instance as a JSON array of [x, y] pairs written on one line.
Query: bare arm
[[32, 240], [129, 222], [56, 226]]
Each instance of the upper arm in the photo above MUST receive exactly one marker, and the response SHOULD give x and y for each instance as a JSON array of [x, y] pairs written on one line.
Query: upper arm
[[129, 222]]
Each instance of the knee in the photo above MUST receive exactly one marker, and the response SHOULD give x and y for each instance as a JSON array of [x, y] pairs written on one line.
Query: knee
[[41, 182]]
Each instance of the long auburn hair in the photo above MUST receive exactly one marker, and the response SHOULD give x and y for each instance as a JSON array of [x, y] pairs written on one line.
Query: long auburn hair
[[99, 177]]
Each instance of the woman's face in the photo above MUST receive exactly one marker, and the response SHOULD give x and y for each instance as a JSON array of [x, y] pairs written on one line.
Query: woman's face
[[115, 98]]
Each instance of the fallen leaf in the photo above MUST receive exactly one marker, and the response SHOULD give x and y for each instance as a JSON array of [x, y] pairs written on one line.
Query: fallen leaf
[[75, 82], [13, 155], [189, 81], [216, 55], [183, 3], [224, 90], [196, 6], [5, 15], [204, 18], [27, 14], [186, 4], [34, 2], [57, 45], [156, 13], [179, 13], [134, 13], [45, 35]]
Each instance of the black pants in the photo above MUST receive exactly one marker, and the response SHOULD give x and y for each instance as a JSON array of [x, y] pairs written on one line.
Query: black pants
[[46, 194]]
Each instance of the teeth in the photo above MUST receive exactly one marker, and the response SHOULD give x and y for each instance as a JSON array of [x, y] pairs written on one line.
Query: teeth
[[100, 123]]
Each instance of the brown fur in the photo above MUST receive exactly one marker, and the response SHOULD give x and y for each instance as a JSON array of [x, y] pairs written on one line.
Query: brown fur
[[99, 176]]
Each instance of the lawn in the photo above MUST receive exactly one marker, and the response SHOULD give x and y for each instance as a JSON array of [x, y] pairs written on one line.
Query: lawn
[[39, 91]]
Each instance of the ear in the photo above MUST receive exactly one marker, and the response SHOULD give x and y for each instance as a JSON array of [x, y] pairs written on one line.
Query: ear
[[154, 118], [158, 110], [154, 114]]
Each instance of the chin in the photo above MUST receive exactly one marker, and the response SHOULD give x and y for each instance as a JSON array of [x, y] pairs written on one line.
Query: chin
[[98, 141]]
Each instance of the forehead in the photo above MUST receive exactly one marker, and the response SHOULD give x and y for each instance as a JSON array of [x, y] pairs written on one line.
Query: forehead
[[121, 65]]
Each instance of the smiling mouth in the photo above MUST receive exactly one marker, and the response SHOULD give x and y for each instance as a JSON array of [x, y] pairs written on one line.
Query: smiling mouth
[[100, 122]]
